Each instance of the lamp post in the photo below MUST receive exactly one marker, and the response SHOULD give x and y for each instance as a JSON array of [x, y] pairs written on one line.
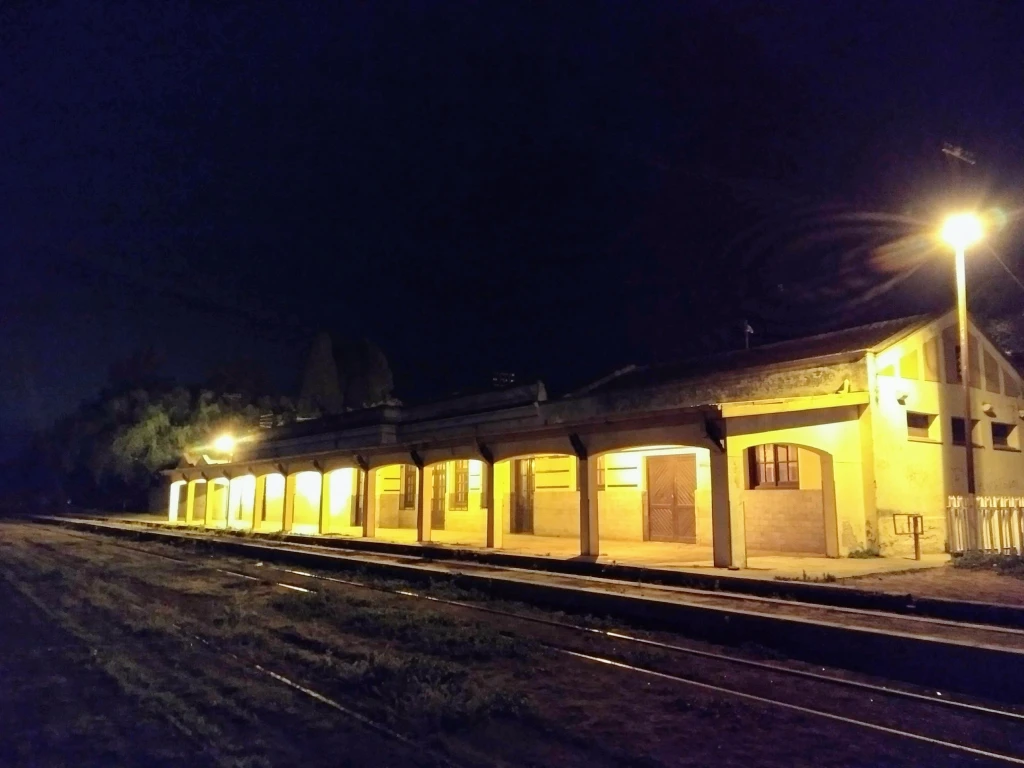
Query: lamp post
[[960, 231]]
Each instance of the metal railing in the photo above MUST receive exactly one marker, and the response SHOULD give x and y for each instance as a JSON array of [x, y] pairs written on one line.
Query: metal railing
[[992, 524]]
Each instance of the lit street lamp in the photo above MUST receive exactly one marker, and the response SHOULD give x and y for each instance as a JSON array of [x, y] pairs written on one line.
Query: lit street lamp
[[224, 444], [960, 231]]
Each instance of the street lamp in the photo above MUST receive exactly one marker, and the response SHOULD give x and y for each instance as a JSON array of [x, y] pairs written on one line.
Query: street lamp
[[960, 231], [224, 444]]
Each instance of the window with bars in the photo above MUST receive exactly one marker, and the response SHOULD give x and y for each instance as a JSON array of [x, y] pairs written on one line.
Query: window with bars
[[407, 497], [774, 466], [460, 495]]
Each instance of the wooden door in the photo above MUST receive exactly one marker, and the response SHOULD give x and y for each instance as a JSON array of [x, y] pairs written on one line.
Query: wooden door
[[522, 496], [671, 487], [439, 487]]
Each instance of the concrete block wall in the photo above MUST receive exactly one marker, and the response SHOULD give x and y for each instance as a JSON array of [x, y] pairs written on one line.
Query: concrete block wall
[[783, 520], [621, 514], [556, 513]]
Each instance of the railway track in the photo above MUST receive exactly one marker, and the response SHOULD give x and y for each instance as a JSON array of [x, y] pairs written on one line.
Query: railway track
[[945, 655], [614, 658]]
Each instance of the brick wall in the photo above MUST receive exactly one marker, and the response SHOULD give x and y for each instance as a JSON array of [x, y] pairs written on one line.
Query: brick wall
[[780, 520]]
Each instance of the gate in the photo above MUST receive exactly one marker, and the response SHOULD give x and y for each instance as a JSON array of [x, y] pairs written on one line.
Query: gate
[[992, 524]]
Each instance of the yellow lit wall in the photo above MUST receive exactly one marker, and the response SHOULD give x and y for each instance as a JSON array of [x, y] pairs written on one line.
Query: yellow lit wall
[[621, 502], [198, 501], [307, 502], [556, 501], [178, 492], [341, 487], [216, 502], [242, 498], [467, 526], [914, 475], [389, 487], [842, 434], [271, 514]]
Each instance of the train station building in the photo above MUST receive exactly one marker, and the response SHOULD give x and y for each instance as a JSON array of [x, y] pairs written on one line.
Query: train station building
[[823, 446]]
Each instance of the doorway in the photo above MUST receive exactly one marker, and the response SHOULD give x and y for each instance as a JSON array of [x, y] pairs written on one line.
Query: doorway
[[439, 487], [199, 503], [671, 489], [522, 496]]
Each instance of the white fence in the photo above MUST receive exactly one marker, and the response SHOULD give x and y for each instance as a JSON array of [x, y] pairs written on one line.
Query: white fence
[[985, 524]]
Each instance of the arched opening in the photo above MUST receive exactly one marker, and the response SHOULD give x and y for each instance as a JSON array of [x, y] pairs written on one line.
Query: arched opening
[[395, 491], [788, 500], [456, 502], [199, 488], [242, 498], [217, 490], [177, 501], [539, 501], [654, 504], [270, 511], [341, 503], [306, 510]]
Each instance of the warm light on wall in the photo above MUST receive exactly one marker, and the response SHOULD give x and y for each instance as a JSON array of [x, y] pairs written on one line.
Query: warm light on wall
[[340, 483], [275, 487], [307, 485]]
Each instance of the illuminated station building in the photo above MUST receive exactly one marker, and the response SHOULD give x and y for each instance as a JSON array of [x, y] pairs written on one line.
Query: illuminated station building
[[822, 446]]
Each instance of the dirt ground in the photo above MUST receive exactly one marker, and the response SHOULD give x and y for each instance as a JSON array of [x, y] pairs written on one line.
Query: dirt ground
[[121, 658], [947, 582]]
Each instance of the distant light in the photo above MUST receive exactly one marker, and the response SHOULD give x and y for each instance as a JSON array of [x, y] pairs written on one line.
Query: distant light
[[962, 230], [224, 444]]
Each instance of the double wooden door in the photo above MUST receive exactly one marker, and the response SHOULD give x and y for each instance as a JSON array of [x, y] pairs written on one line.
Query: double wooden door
[[438, 490], [522, 496], [671, 506]]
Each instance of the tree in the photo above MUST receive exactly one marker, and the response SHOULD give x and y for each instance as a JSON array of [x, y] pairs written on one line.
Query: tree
[[320, 383], [345, 376], [365, 374]]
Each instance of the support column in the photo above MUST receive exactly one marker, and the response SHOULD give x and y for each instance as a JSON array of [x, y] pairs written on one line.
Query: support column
[[259, 501], [728, 536], [288, 512], [422, 514], [232, 491], [325, 501], [494, 526], [369, 503], [590, 539]]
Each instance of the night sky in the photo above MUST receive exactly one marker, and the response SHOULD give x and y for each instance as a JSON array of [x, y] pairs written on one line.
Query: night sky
[[556, 189]]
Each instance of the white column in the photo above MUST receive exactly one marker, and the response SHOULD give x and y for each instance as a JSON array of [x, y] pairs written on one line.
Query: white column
[[288, 511], [728, 537], [422, 514], [370, 503], [590, 539], [494, 523]]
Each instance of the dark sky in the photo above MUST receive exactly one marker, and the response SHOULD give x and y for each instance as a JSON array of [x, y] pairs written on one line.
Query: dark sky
[[552, 188]]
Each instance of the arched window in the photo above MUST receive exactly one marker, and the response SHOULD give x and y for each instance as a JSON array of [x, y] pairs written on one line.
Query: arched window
[[774, 466]]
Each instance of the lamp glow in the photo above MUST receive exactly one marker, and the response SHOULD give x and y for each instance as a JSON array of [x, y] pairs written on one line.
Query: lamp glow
[[224, 444], [962, 230]]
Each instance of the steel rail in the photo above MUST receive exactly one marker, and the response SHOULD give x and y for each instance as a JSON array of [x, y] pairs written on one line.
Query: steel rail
[[937, 699]]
